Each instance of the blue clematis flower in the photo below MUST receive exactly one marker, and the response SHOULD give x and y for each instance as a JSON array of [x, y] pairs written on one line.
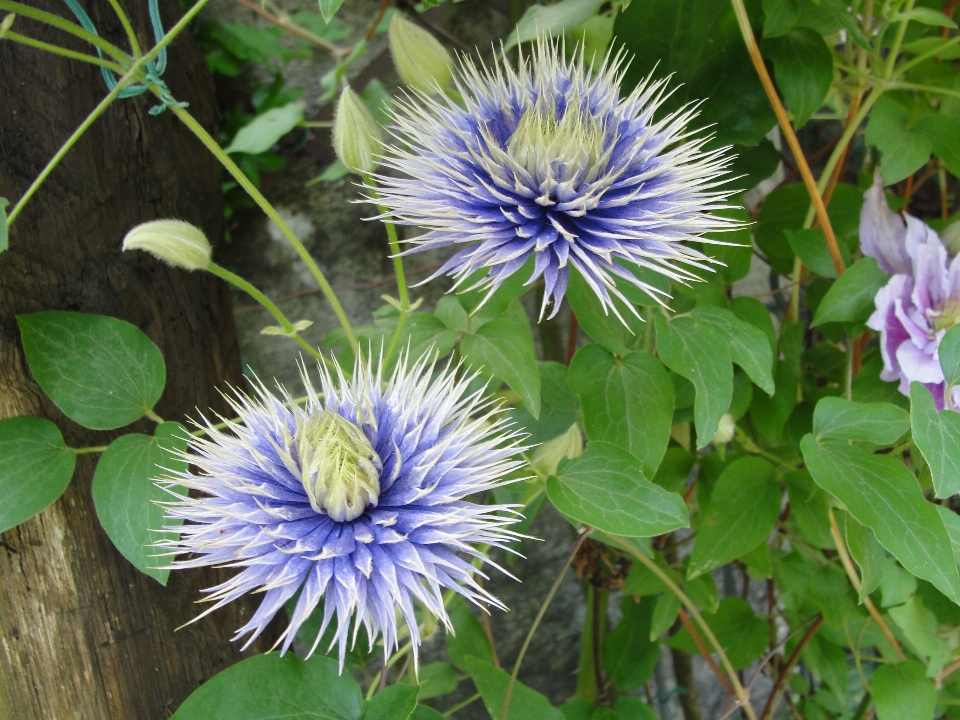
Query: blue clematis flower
[[359, 498], [547, 161]]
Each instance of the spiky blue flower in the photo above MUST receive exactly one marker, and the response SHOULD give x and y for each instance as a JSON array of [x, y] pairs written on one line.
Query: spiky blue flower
[[547, 161], [359, 498]]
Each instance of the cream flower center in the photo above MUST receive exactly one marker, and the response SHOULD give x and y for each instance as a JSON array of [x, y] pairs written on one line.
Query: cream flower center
[[945, 316], [540, 139], [339, 468]]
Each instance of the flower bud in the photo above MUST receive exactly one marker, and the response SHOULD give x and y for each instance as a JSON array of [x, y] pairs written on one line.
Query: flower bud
[[547, 457], [175, 242], [725, 432], [421, 61], [357, 137]]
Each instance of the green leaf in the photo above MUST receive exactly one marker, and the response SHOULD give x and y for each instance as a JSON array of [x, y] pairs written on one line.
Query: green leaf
[[742, 512], [469, 641], [125, 494], [698, 42], [692, 348], [867, 553], [920, 626], [903, 691], [3, 224], [266, 687], [951, 521], [926, 16], [741, 634], [632, 708], [949, 351], [803, 67], [101, 372], [755, 312], [780, 17], [422, 712], [882, 494], [451, 313], [828, 661], [628, 654], [809, 507], [627, 402], [525, 703], [664, 615], [748, 346], [603, 327], [703, 592], [504, 348], [328, 8], [605, 488], [263, 132], [436, 679], [395, 702], [850, 298], [811, 247], [552, 20], [905, 149], [937, 435], [944, 132], [877, 423], [35, 468]]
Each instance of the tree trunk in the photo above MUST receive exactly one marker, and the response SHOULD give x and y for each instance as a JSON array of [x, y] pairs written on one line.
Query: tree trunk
[[83, 634]]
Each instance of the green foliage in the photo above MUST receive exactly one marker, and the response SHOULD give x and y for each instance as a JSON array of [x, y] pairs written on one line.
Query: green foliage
[[937, 435], [626, 401], [803, 67], [492, 684], [262, 133], [850, 298], [692, 348], [395, 702], [883, 495], [743, 510], [629, 655], [605, 488], [126, 495], [36, 468], [903, 691], [101, 372], [270, 686], [552, 20]]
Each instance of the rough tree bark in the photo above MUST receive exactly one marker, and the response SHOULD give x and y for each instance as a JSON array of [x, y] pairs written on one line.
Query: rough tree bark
[[82, 633]]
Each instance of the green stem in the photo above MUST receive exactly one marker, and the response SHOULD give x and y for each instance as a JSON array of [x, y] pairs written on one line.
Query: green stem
[[57, 50], [88, 450], [394, 242], [741, 694], [902, 70], [257, 295], [461, 705], [153, 416], [127, 27], [134, 73], [848, 374], [536, 623], [841, 145], [67, 26], [394, 245], [795, 282], [244, 182], [897, 42], [924, 88]]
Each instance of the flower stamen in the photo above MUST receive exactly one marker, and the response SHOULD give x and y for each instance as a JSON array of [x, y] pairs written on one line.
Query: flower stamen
[[339, 468]]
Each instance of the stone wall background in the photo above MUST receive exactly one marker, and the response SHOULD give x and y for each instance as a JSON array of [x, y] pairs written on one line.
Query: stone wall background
[[353, 254]]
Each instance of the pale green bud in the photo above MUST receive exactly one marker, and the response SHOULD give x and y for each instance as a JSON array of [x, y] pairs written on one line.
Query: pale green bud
[[421, 61], [175, 242], [339, 468], [547, 457], [357, 136], [725, 432], [951, 238], [7, 24]]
